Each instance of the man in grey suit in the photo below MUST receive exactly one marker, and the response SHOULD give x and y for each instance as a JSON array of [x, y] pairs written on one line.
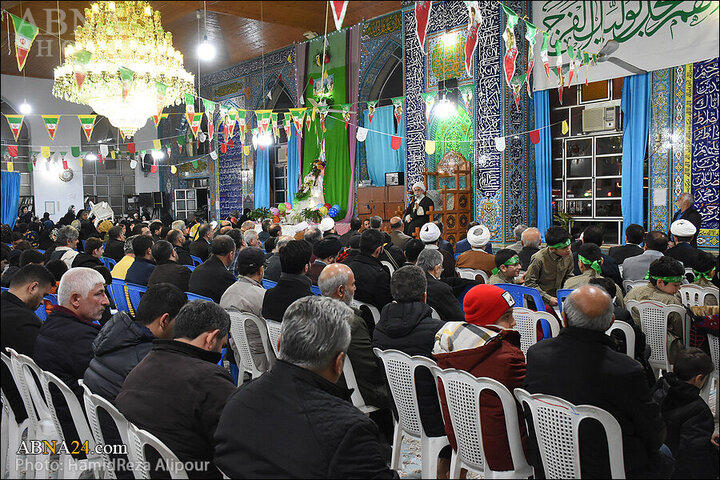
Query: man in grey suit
[[635, 268]]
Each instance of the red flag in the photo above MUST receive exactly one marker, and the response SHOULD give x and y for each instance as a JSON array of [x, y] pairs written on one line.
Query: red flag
[[223, 148], [535, 137], [13, 150], [131, 147], [422, 14], [339, 9], [395, 142], [80, 79], [65, 164], [230, 143]]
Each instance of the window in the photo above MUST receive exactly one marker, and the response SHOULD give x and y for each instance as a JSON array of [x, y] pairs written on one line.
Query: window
[[111, 181], [185, 202], [279, 175]]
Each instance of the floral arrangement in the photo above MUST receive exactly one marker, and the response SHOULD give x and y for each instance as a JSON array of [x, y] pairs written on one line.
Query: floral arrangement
[[318, 168], [259, 213]]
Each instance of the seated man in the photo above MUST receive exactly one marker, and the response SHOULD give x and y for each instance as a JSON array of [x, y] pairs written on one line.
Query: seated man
[[273, 269], [201, 247], [464, 245], [412, 249], [417, 212], [486, 345], [397, 237], [507, 267], [579, 366], [143, 266], [120, 269], [64, 343], [168, 270], [306, 425], [373, 281], [704, 270], [476, 258], [294, 282], [90, 257], [634, 235], [590, 261], [115, 244], [326, 252], [123, 342], [212, 278], [66, 241], [635, 268], [355, 225], [609, 269], [178, 391], [518, 231], [177, 239], [551, 266], [683, 232], [430, 235], [531, 241], [440, 295]]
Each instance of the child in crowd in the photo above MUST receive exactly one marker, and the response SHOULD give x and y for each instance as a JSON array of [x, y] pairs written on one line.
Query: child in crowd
[[551, 266], [688, 418], [507, 267]]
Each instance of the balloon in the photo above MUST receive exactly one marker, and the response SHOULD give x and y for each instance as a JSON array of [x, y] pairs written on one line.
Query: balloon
[[281, 207], [319, 206], [336, 207], [276, 219], [323, 210], [288, 205], [332, 212], [327, 205], [274, 211]]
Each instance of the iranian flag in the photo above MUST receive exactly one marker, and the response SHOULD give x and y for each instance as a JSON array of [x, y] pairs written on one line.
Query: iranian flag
[[15, 122], [25, 34], [157, 118], [194, 120], [51, 123], [230, 125], [88, 124], [126, 76]]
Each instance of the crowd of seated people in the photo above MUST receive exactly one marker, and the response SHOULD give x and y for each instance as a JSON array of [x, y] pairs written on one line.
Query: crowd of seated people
[[143, 362]]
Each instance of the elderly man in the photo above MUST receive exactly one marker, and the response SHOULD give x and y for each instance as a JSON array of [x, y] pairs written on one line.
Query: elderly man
[[518, 231], [273, 270], [251, 239], [177, 392], [579, 365], [477, 258], [439, 294], [396, 233], [683, 232], [212, 278], [64, 343], [417, 213], [67, 240], [531, 241], [635, 268], [201, 247], [311, 430], [687, 212], [430, 235]]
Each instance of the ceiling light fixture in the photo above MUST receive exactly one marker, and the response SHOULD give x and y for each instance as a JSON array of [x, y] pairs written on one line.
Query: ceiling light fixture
[[123, 39], [206, 50], [25, 108]]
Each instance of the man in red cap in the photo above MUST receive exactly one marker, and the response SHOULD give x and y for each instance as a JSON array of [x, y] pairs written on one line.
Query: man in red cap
[[486, 346]]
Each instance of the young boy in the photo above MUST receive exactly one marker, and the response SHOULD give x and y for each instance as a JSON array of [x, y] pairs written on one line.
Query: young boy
[[688, 418], [705, 266], [551, 266], [507, 267]]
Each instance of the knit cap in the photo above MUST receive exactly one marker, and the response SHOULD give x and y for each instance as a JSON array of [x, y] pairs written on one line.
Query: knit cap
[[484, 304]]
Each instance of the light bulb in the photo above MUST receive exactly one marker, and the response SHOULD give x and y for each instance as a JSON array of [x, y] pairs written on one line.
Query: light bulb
[[265, 139], [445, 109], [25, 108], [206, 50], [91, 156], [158, 154]]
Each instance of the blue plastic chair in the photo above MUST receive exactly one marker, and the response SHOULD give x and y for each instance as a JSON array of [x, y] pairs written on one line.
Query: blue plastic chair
[[518, 292], [195, 296], [135, 293], [196, 260], [40, 250], [315, 290], [108, 262], [561, 296], [41, 312], [190, 267], [268, 284], [117, 292]]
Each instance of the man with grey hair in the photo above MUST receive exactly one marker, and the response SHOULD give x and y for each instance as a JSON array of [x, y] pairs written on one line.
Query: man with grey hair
[[313, 234], [531, 241], [178, 391], [212, 278], [304, 422], [440, 295], [120, 269], [518, 231], [251, 238], [687, 212], [64, 343], [66, 241], [581, 366], [176, 237]]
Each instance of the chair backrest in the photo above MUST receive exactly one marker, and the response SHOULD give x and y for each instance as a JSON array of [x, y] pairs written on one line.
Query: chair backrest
[[630, 284], [434, 314], [315, 290], [268, 284], [557, 424], [352, 384], [526, 321], [135, 292], [8, 363], [41, 312], [654, 321], [139, 440], [389, 266], [400, 372], [25, 372], [629, 333], [52, 298], [238, 322], [196, 260], [194, 296], [190, 267], [561, 295], [689, 274], [714, 351], [95, 403], [472, 273], [695, 295], [462, 394], [108, 262], [117, 292], [373, 310], [274, 328], [519, 292]]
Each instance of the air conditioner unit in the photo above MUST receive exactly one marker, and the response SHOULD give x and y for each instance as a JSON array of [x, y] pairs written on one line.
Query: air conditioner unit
[[598, 119]]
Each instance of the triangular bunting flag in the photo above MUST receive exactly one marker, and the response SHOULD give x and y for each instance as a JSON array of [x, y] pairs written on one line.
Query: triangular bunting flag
[[51, 123], [345, 107], [339, 9], [209, 108], [75, 151], [13, 150], [276, 130], [104, 150], [558, 66], [398, 104], [156, 118], [10, 166], [361, 134], [157, 144], [45, 152], [81, 60], [235, 116], [113, 154], [474, 20], [25, 34], [511, 49], [500, 144], [15, 122], [223, 148], [131, 147], [288, 124], [297, 116], [194, 121], [429, 147], [246, 150], [371, 109], [308, 117], [126, 76], [565, 127], [88, 124], [530, 33], [544, 55], [422, 14]]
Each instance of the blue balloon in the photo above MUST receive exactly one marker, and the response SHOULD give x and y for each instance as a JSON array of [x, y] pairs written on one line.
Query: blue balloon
[[319, 205], [336, 207]]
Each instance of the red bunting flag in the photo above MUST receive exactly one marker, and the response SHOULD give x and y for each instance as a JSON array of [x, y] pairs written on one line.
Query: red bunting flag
[[153, 168], [13, 150], [131, 147], [223, 148], [395, 142], [65, 164], [230, 143], [535, 137], [422, 14], [339, 9]]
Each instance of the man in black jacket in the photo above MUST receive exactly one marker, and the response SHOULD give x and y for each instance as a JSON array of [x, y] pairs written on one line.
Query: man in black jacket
[[302, 424], [115, 246], [201, 247], [373, 281], [293, 283], [579, 366], [20, 325], [177, 239], [634, 235], [143, 266], [168, 270], [687, 212], [178, 391], [123, 342], [355, 225], [440, 295], [212, 278]]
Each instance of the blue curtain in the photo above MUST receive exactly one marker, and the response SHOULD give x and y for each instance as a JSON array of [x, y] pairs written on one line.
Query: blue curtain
[[381, 158], [10, 187], [262, 178], [636, 127], [293, 165], [543, 161]]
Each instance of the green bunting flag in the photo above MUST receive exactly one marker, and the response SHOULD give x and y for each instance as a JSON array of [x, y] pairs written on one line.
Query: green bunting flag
[[209, 108], [189, 103], [127, 76], [544, 55], [398, 108], [511, 49], [530, 33]]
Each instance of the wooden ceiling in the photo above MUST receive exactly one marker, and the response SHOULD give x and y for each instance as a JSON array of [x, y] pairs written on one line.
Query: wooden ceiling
[[240, 30]]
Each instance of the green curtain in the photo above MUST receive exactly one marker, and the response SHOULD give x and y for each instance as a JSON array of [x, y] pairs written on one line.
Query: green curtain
[[337, 151]]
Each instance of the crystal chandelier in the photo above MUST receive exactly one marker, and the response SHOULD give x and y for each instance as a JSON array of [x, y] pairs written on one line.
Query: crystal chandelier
[[117, 38]]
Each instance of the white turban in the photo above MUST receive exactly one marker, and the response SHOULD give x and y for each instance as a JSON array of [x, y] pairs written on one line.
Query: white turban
[[301, 227], [478, 236], [429, 233], [682, 228], [327, 224], [419, 185]]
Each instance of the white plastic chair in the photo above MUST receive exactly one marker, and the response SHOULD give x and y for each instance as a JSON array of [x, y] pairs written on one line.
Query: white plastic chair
[[400, 371], [462, 394], [695, 295], [373, 310], [274, 329], [653, 321], [629, 333], [351, 382], [630, 284], [240, 344], [139, 439], [12, 432], [472, 273], [389, 266], [714, 380], [434, 314], [557, 424], [526, 321]]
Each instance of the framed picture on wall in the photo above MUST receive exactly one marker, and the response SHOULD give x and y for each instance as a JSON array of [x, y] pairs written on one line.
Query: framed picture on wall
[[50, 207]]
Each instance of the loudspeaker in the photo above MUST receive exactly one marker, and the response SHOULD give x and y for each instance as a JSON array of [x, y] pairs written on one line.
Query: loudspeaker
[[146, 200]]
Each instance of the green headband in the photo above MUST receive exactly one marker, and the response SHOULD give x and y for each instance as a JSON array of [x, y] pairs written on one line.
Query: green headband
[[514, 260], [699, 275], [561, 244], [664, 279], [595, 265]]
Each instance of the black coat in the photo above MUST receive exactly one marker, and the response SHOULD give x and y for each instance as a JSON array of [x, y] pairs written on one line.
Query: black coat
[[200, 248], [621, 252], [301, 426], [177, 393], [582, 367], [183, 256], [288, 289], [526, 254], [345, 237], [64, 348], [448, 264], [692, 216], [690, 425], [211, 279], [440, 296], [371, 279], [114, 249], [140, 271], [19, 330], [171, 272], [609, 268], [274, 269], [86, 260], [685, 253], [410, 328], [121, 344]]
